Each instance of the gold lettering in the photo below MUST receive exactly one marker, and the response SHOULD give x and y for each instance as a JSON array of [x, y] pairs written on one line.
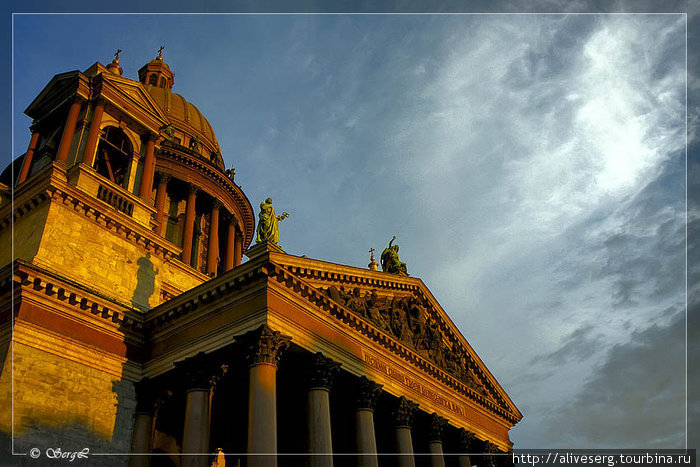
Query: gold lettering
[[396, 374]]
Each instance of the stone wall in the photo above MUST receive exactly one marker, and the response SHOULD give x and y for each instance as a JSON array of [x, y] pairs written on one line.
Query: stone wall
[[62, 403], [31, 226], [82, 250]]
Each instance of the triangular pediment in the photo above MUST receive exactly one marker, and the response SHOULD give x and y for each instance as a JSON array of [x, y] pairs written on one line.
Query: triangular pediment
[[132, 96], [54, 93], [403, 309]]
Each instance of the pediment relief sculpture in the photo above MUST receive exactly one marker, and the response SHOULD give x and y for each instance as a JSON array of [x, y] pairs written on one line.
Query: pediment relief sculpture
[[409, 321]]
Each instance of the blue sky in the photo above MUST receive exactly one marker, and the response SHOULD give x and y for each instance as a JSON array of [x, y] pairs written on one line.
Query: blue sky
[[532, 168]]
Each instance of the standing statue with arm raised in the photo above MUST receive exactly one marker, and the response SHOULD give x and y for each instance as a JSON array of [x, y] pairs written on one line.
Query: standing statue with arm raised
[[390, 260], [268, 223]]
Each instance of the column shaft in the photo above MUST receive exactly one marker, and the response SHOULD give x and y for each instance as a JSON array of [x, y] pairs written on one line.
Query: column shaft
[[404, 447], [365, 438], [93, 134], [262, 415], [195, 438], [437, 459], [68, 132], [230, 245], [213, 251], [189, 226], [141, 441], [149, 166], [463, 461], [161, 194], [319, 426], [28, 157], [238, 250]]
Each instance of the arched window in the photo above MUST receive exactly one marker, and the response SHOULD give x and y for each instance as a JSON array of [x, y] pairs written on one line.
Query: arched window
[[153, 80], [114, 155], [162, 82]]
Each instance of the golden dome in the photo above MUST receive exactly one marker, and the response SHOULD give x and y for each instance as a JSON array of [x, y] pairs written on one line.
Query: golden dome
[[184, 116]]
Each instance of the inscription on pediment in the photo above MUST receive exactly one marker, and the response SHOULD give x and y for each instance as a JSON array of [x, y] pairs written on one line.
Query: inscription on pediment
[[409, 320]]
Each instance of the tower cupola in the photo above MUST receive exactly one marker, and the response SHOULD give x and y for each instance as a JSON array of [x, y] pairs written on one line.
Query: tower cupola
[[114, 66], [157, 73]]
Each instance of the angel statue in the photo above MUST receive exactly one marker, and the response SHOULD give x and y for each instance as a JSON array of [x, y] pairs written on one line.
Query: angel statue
[[390, 260], [268, 227]]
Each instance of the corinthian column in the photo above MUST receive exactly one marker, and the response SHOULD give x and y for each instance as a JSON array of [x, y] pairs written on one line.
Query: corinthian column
[[213, 251], [265, 347], [489, 450], [161, 195], [195, 437], [149, 168], [69, 130], [321, 375], [367, 395], [437, 426], [189, 225], [27, 162], [404, 443], [465, 442], [94, 132]]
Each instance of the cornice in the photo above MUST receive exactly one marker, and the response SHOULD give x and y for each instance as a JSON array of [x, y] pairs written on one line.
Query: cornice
[[31, 280], [51, 184], [214, 289]]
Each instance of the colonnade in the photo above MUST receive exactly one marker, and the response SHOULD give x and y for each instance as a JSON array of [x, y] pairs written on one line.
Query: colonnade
[[234, 239], [233, 254], [263, 349]]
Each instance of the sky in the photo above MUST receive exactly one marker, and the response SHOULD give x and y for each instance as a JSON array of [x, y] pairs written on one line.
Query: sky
[[532, 168]]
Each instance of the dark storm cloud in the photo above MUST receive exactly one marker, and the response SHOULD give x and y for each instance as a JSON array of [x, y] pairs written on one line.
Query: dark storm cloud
[[580, 345], [635, 399]]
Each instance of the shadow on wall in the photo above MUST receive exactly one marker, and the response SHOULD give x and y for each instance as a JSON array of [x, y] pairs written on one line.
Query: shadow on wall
[[145, 283], [77, 424]]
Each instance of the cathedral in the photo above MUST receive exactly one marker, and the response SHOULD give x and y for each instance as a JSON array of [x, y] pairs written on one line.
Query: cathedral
[[133, 333]]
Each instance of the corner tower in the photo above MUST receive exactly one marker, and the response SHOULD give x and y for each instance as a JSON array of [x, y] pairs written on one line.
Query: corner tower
[[121, 202], [118, 171]]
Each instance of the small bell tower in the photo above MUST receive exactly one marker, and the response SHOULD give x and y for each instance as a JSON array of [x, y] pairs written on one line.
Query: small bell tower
[[157, 73]]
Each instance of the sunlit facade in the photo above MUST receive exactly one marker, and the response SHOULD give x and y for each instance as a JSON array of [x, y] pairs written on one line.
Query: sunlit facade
[[130, 324]]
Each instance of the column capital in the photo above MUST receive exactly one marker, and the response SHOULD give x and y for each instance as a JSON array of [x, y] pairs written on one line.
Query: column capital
[[465, 439], [197, 371], [99, 100], [192, 188], [367, 393], [436, 427], [164, 177], [490, 448], [322, 370], [216, 204], [405, 409], [264, 346]]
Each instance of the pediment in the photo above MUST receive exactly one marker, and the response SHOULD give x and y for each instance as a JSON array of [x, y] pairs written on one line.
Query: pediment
[[403, 309], [55, 92], [132, 96]]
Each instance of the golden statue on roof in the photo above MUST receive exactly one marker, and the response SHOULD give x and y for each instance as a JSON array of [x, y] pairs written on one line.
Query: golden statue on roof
[[268, 223]]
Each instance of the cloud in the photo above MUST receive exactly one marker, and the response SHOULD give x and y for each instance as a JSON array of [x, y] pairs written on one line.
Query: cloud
[[635, 399], [579, 345]]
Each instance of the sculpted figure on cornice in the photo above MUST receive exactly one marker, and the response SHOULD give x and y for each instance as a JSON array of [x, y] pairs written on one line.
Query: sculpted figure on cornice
[[390, 260], [406, 318]]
